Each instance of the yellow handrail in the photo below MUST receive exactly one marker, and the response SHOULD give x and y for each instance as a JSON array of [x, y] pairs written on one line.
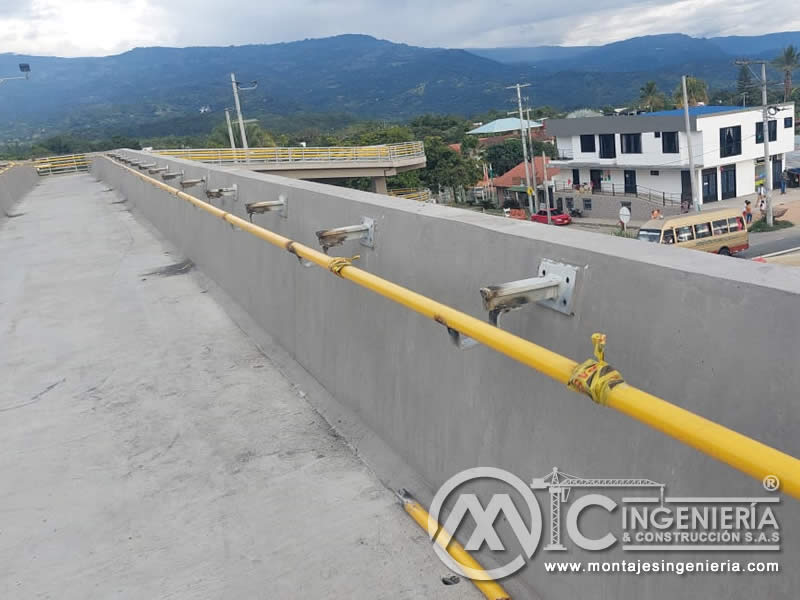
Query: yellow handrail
[[488, 587], [300, 154], [739, 451]]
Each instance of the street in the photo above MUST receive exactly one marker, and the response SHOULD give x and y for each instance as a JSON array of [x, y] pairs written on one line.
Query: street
[[772, 241]]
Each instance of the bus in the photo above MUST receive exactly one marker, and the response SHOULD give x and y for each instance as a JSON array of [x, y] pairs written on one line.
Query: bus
[[721, 231]]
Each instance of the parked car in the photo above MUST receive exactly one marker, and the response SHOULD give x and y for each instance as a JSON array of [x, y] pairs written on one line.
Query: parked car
[[556, 217]]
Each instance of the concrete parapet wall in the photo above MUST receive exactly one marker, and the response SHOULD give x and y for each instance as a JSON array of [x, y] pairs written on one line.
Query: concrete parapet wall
[[719, 336], [14, 184]]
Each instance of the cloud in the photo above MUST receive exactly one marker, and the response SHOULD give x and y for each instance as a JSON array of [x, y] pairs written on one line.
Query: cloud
[[98, 27]]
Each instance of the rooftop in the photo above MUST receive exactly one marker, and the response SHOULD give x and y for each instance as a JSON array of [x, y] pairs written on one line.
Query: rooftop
[[696, 111], [503, 125]]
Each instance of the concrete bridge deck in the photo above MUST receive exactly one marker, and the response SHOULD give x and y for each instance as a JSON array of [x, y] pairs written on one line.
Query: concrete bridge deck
[[150, 450]]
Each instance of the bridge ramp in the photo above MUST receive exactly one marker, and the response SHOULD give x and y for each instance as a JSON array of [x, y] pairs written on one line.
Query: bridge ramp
[[151, 450]]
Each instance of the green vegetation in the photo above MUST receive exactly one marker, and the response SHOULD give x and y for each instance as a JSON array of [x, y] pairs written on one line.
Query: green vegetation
[[508, 155], [761, 226], [696, 91], [650, 98], [788, 61]]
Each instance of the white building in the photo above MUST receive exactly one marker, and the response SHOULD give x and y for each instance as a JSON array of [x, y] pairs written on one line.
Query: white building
[[646, 156]]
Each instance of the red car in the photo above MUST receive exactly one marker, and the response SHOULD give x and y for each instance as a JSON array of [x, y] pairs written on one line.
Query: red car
[[556, 217]]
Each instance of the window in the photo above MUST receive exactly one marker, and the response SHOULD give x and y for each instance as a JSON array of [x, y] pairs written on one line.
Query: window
[[631, 143], [587, 204], [608, 146], [669, 237], [669, 142], [773, 132], [730, 141], [788, 123], [702, 230], [570, 203], [649, 235], [658, 134], [685, 234], [587, 143], [736, 224], [654, 173], [720, 227]]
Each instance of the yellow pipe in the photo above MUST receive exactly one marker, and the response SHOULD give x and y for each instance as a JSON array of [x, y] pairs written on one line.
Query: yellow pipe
[[731, 447], [489, 588], [741, 452]]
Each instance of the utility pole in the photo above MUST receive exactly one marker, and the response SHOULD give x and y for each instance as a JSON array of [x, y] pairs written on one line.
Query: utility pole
[[546, 188], [765, 117], [767, 159], [696, 199], [235, 86], [518, 87], [230, 129]]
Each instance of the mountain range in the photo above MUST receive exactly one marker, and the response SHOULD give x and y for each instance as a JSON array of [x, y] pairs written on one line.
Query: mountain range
[[159, 91]]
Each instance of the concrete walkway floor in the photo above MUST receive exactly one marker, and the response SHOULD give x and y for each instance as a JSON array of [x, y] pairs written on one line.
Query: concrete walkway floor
[[149, 450]]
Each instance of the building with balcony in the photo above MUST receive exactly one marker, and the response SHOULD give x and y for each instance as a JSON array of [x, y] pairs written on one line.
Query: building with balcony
[[645, 160]]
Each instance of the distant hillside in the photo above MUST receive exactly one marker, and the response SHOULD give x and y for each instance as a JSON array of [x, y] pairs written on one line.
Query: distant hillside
[[159, 91], [643, 53], [532, 54]]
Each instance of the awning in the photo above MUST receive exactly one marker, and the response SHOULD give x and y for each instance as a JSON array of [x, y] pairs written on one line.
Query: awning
[[503, 126]]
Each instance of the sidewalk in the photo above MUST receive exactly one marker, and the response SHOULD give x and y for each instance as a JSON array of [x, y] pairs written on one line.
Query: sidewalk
[[150, 450], [791, 200]]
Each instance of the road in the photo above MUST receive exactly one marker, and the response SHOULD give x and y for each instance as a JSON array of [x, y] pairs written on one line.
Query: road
[[772, 241]]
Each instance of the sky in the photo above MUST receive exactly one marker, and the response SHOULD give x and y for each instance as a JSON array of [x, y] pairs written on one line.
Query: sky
[[103, 27]]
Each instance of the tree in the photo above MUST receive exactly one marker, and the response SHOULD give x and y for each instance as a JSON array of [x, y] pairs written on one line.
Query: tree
[[787, 61], [448, 168], [696, 90], [257, 137], [650, 97], [504, 157]]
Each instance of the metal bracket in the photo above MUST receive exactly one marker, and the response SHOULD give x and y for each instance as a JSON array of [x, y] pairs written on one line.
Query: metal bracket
[[462, 342], [187, 183], [171, 175], [365, 232], [220, 192], [281, 204], [158, 170], [567, 275], [553, 288]]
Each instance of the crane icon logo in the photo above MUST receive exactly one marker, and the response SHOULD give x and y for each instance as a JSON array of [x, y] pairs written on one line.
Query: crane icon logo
[[559, 485]]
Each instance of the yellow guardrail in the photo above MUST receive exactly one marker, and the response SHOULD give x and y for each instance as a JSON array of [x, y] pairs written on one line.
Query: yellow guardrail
[[382, 153], [594, 377], [53, 165]]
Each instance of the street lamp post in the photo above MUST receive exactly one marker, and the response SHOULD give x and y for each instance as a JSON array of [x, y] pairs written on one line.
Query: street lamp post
[[23, 68]]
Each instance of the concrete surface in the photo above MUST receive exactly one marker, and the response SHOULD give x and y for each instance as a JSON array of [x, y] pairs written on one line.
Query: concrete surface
[[14, 184], [151, 451], [713, 334]]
